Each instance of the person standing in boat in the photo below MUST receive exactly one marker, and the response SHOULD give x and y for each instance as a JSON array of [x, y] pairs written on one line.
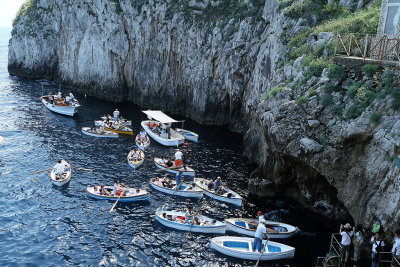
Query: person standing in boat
[[118, 188], [60, 169], [190, 213], [59, 95], [179, 180], [261, 232], [143, 136], [260, 216], [218, 184], [178, 158], [71, 96], [116, 115]]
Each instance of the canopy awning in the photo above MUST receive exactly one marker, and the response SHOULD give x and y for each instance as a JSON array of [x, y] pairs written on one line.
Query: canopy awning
[[159, 116]]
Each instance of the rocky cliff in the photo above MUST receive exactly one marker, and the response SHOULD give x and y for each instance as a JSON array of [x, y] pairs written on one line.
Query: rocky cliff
[[232, 63]]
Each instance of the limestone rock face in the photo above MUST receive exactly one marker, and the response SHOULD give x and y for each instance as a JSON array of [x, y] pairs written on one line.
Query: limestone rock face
[[218, 72]]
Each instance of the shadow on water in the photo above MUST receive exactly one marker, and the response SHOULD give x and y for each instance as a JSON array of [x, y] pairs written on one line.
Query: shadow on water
[[47, 225]]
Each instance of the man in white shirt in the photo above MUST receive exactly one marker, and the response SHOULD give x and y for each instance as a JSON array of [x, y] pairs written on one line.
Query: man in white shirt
[[261, 232], [116, 114], [377, 247], [96, 190], [60, 168], [178, 158], [346, 234], [71, 96], [143, 136], [260, 216], [59, 95], [396, 244], [67, 100]]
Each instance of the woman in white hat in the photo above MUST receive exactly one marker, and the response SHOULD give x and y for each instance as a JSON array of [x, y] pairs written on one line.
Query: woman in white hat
[[347, 234]]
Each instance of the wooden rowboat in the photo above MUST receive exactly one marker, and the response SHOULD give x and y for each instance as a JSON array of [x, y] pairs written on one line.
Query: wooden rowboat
[[242, 247], [96, 133], [142, 145], [64, 109], [186, 170], [227, 195], [65, 177], [131, 194], [186, 189], [120, 130], [167, 218], [248, 227], [189, 135], [133, 161]]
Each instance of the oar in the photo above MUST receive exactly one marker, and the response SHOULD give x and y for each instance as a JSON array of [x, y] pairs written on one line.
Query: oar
[[112, 208], [40, 171], [262, 251], [188, 235], [116, 163], [83, 169], [166, 203], [213, 195]]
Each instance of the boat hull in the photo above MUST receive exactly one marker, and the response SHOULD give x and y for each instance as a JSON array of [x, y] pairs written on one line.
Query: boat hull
[[235, 200], [63, 110], [175, 171], [176, 141], [232, 226], [191, 194], [242, 247], [62, 181], [219, 228], [106, 134], [189, 135], [143, 196]]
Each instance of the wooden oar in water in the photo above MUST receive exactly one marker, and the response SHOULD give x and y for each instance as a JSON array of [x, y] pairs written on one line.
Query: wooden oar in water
[[40, 171], [83, 169], [262, 251], [112, 208]]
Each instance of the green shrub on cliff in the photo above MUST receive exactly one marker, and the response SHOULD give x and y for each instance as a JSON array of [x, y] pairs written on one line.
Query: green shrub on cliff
[[27, 9], [273, 91], [336, 72], [370, 69], [316, 67], [375, 118], [302, 99]]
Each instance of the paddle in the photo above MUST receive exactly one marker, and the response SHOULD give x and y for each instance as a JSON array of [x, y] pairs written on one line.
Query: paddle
[[112, 208], [262, 251], [120, 161], [213, 195], [190, 230], [40, 171], [83, 169]]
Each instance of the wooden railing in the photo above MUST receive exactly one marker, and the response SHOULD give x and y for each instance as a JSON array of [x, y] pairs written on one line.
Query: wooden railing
[[368, 47]]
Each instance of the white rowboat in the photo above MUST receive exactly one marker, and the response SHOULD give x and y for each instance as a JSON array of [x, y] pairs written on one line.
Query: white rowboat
[[96, 133], [172, 139], [122, 121], [142, 145], [209, 228], [227, 195], [189, 135], [248, 227], [131, 194], [186, 170], [242, 247], [133, 161], [68, 110], [186, 189], [65, 177]]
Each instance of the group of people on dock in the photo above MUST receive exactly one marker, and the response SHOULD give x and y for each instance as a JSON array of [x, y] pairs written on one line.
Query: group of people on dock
[[357, 236]]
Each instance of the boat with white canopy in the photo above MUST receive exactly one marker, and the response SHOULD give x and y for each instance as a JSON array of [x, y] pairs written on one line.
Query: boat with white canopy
[[158, 127]]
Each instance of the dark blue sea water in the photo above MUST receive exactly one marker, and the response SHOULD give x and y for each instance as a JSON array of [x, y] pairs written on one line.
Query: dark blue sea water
[[42, 225]]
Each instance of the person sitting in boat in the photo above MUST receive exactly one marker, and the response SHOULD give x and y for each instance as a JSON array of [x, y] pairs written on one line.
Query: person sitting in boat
[[179, 180], [143, 136], [210, 186], [169, 163], [190, 187], [116, 114], [71, 96], [178, 158], [68, 100], [189, 214], [218, 184], [51, 99], [59, 95], [261, 232], [197, 221], [117, 189], [165, 215], [104, 191], [96, 190], [228, 195], [60, 169], [158, 182]]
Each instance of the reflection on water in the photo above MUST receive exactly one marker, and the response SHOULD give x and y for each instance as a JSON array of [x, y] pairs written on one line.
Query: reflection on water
[[45, 225]]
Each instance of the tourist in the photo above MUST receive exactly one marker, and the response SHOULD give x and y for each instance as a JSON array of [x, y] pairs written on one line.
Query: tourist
[[104, 191], [143, 136], [71, 96], [346, 234], [261, 232], [59, 95], [96, 190], [178, 158], [179, 180], [189, 214], [377, 247], [116, 115], [260, 216], [67, 100], [357, 242], [60, 169], [376, 225], [396, 245], [169, 163], [51, 99], [165, 215]]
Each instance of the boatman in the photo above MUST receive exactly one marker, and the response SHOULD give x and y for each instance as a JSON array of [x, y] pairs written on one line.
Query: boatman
[[116, 114], [60, 169], [260, 216], [72, 97], [261, 232], [178, 158], [117, 189], [143, 136], [179, 180], [218, 184], [67, 100]]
